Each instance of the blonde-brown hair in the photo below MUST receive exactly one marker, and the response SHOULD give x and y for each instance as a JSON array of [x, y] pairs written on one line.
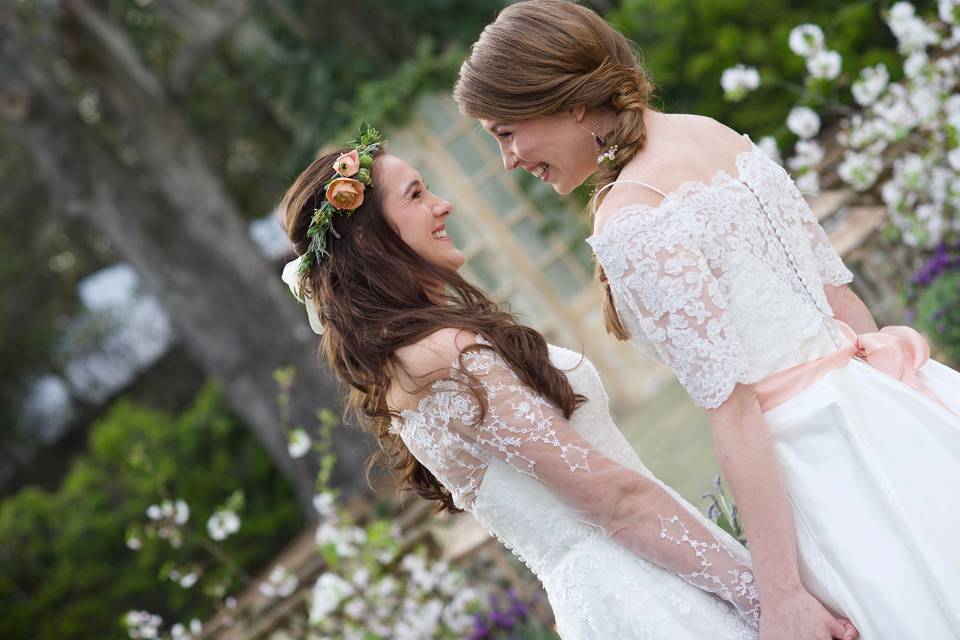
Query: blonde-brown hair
[[543, 57]]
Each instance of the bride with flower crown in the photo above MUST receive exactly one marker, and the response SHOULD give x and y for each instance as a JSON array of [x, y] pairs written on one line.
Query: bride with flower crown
[[477, 413]]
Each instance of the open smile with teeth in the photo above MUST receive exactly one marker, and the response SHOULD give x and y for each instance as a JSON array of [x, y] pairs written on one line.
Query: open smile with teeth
[[440, 234], [541, 170]]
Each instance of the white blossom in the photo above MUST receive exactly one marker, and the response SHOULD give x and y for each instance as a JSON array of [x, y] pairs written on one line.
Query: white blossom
[[456, 615], [420, 622], [328, 592], [299, 443], [949, 11], [925, 103], [860, 170], [803, 122], [911, 32], [344, 538], [892, 194], [870, 135], [325, 504], [915, 63], [954, 159], [806, 39], [361, 578], [807, 155], [281, 583], [134, 543], [182, 512], [355, 608], [809, 183], [222, 524], [739, 80], [188, 580], [894, 107], [824, 65], [912, 169], [143, 625], [872, 82], [768, 145]]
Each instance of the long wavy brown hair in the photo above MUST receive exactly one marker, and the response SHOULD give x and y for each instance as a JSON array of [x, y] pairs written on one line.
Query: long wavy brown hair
[[543, 57], [372, 297]]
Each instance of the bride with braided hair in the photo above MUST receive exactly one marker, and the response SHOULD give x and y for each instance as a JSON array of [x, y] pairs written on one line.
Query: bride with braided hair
[[477, 413], [840, 443]]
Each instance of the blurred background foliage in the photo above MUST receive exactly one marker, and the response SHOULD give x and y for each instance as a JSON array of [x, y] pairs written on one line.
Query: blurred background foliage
[[294, 76], [67, 572]]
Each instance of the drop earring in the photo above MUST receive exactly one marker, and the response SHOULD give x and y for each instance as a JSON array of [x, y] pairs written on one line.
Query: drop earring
[[608, 156]]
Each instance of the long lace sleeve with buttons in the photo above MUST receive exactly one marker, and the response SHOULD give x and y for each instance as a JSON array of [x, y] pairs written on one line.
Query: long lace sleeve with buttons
[[484, 411]]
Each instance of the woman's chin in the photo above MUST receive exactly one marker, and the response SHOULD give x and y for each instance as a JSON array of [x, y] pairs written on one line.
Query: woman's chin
[[453, 260]]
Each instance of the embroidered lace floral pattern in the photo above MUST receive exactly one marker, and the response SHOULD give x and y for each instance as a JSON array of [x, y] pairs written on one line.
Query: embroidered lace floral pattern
[[719, 278], [555, 499]]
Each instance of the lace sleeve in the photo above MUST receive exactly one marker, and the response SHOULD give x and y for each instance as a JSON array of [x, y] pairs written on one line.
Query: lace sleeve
[[829, 264], [485, 411], [664, 291]]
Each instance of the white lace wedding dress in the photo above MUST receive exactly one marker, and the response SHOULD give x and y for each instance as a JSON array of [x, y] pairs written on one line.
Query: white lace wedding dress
[[724, 282], [574, 502]]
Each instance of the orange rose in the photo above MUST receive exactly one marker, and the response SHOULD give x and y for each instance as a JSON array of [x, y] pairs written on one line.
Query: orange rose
[[347, 164], [345, 193]]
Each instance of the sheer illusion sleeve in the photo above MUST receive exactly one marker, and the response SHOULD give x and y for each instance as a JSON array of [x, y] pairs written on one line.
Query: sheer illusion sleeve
[[665, 292], [829, 264], [484, 412]]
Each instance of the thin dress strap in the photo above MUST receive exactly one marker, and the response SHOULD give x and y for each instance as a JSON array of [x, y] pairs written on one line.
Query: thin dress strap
[[610, 184]]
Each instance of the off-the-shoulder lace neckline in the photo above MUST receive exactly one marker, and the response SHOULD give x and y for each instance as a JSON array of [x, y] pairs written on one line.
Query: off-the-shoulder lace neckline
[[396, 426], [684, 188]]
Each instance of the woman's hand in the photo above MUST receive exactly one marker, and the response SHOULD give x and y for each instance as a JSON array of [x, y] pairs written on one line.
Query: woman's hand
[[797, 615]]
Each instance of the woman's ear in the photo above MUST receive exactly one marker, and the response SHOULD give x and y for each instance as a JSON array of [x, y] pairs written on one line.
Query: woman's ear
[[578, 112]]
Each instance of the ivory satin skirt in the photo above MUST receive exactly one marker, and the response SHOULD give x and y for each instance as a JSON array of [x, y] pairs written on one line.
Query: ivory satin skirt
[[872, 469]]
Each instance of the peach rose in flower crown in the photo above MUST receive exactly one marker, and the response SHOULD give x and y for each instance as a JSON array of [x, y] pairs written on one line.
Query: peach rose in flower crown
[[347, 164], [345, 193]]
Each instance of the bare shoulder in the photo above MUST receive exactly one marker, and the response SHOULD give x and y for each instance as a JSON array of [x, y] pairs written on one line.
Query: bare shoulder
[[427, 360], [622, 195], [685, 147], [436, 351], [707, 133]]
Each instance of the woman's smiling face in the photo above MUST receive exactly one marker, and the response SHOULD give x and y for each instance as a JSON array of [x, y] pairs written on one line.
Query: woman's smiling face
[[556, 149], [417, 215]]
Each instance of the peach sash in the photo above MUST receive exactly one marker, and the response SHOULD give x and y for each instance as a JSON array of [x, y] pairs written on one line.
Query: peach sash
[[896, 350]]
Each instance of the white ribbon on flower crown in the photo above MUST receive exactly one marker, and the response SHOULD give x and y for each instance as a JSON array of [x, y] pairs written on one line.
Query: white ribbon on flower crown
[[291, 275]]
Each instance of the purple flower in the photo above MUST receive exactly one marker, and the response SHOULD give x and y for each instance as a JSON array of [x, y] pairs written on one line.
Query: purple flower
[[480, 630]]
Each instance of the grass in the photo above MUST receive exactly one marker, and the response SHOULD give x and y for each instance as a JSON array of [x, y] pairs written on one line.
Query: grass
[[672, 437]]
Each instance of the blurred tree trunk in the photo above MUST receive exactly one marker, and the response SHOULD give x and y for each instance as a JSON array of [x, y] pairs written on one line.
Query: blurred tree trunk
[[134, 169]]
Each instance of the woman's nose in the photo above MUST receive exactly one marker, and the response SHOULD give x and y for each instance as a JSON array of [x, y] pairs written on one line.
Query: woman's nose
[[510, 159], [442, 207]]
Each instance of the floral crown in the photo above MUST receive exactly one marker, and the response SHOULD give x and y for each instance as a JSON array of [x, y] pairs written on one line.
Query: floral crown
[[342, 194]]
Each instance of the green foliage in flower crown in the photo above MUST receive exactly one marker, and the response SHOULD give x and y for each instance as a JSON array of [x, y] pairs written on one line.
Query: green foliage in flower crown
[[366, 144]]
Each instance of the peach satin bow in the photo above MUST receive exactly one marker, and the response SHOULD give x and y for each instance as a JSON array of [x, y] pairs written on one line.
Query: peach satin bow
[[896, 350]]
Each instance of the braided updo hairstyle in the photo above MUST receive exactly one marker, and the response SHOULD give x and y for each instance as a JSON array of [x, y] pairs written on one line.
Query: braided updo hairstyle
[[543, 57]]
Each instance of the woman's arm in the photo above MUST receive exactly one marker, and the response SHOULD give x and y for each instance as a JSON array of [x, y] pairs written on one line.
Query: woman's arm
[[481, 410], [749, 464], [848, 306]]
